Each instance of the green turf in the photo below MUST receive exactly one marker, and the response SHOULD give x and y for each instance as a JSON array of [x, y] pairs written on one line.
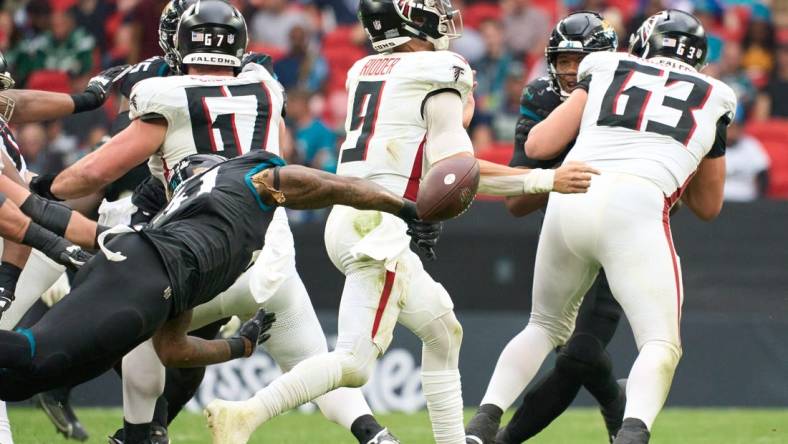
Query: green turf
[[578, 426]]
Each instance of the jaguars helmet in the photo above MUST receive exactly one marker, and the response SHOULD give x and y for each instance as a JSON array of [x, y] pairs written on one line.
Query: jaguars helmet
[[191, 166], [673, 34], [6, 82], [584, 32], [211, 32], [168, 25], [390, 23]]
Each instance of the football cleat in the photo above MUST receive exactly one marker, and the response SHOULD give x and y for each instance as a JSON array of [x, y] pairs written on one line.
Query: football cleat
[[57, 408], [613, 413], [230, 422], [159, 435], [6, 298], [383, 437], [633, 431], [481, 429]]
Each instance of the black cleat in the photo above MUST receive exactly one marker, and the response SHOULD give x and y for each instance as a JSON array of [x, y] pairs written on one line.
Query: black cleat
[[384, 437], [502, 437], [158, 434], [56, 406], [613, 413], [633, 431], [481, 429]]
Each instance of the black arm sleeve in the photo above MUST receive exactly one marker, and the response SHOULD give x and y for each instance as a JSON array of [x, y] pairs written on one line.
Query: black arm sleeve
[[721, 139]]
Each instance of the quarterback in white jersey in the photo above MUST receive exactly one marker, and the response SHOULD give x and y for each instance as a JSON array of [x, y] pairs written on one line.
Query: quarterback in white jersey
[[406, 108], [654, 127]]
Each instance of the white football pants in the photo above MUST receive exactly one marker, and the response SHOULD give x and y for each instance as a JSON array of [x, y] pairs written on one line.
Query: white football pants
[[385, 284], [622, 225]]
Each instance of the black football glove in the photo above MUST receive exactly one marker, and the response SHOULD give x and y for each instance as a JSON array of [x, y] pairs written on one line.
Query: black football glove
[[259, 58], [98, 88], [42, 185], [424, 234], [255, 329], [6, 298], [74, 257]]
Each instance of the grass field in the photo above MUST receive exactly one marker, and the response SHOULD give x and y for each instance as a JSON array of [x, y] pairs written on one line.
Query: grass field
[[578, 426]]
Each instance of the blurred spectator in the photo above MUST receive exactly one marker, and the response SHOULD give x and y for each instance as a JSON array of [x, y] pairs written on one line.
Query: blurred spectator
[[492, 69], [709, 12], [773, 100], [63, 48], [302, 67], [315, 142], [34, 144], [526, 27], [273, 21], [506, 118], [343, 12], [746, 164], [92, 15], [144, 16], [730, 72], [759, 43]]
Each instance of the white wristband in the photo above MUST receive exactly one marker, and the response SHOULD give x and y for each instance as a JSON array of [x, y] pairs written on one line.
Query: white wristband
[[538, 180]]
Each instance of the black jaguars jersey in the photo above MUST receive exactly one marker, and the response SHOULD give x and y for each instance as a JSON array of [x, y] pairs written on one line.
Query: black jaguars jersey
[[539, 99], [208, 232], [11, 148], [152, 67]]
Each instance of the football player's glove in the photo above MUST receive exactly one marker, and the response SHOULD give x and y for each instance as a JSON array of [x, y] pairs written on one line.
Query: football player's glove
[[254, 330], [98, 88], [42, 185], [74, 257], [424, 234]]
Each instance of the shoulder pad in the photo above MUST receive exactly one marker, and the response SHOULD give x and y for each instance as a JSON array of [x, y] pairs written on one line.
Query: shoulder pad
[[598, 60], [152, 67], [539, 99], [154, 96], [445, 69]]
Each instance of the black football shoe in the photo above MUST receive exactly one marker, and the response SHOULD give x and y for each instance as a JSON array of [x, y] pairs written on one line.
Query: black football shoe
[[158, 434], [481, 429], [56, 406], [633, 431]]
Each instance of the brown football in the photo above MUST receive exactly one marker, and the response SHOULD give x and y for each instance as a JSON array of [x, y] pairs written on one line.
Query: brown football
[[448, 188]]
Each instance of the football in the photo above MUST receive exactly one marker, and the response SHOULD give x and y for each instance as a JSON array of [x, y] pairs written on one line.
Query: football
[[448, 188]]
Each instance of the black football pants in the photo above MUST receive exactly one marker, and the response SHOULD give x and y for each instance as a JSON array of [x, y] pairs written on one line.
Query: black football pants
[[112, 308]]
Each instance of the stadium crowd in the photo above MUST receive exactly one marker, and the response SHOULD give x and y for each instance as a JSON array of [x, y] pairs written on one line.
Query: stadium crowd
[[58, 44]]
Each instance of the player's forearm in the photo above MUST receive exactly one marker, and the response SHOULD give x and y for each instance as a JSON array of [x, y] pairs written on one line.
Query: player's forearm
[[704, 194], [501, 180], [526, 204], [549, 137], [306, 188], [196, 352], [80, 179], [35, 106]]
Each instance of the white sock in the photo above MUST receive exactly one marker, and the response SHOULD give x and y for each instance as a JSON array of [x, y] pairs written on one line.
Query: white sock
[[143, 383], [343, 405], [306, 381], [650, 379], [39, 274], [444, 403], [5, 426], [517, 366]]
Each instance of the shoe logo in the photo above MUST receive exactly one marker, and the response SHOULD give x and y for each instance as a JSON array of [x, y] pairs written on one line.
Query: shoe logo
[[167, 293]]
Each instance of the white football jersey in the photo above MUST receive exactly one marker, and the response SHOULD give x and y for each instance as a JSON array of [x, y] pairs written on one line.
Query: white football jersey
[[385, 125], [655, 118], [210, 114]]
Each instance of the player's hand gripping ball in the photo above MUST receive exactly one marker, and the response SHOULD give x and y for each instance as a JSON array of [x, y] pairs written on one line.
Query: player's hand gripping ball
[[448, 188]]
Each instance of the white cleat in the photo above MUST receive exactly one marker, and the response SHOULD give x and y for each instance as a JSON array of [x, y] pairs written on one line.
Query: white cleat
[[230, 422]]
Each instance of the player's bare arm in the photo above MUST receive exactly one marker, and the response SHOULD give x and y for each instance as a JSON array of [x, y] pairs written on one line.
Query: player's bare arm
[[705, 191], [35, 106], [520, 206], [176, 348], [123, 152], [304, 188], [550, 136]]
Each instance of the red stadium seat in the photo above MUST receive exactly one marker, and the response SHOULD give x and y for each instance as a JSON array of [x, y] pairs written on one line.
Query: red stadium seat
[[474, 15], [46, 80], [771, 134]]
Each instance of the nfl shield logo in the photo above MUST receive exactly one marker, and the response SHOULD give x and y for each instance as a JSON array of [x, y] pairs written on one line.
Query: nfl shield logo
[[376, 24], [231, 39]]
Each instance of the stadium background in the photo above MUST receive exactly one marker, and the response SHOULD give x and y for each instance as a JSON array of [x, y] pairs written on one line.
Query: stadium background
[[735, 323]]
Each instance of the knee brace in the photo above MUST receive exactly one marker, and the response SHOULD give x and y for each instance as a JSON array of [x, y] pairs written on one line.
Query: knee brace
[[441, 340], [583, 356], [357, 363]]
